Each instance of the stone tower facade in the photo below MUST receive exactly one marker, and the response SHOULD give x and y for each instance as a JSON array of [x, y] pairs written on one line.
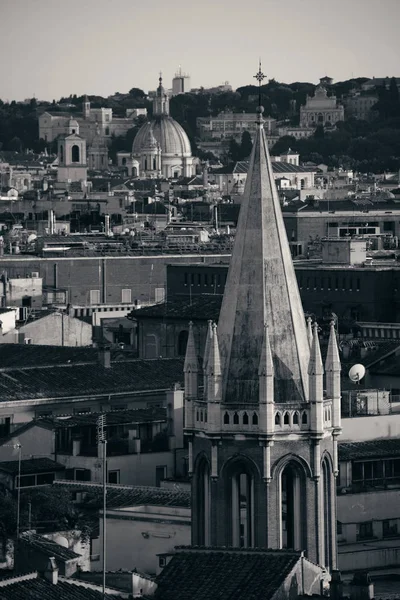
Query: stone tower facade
[[72, 165], [262, 432]]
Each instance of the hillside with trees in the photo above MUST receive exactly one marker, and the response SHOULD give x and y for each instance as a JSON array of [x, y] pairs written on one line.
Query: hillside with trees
[[362, 145]]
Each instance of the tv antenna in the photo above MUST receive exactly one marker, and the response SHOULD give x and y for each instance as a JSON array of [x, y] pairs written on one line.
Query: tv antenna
[[356, 373]]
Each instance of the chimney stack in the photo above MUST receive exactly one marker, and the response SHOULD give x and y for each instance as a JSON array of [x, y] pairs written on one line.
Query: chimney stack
[[105, 356], [51, 572]]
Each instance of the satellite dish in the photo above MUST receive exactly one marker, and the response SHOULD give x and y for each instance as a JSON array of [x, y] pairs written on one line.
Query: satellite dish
[[356, 373]]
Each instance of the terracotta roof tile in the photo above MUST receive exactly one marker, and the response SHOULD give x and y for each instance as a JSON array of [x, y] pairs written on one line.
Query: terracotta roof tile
[[199, 574], [42, 589], [370, 449], [119, 496], [31, 465], [48, 547]]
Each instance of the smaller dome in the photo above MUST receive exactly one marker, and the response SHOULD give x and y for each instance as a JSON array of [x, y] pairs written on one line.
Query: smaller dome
[[170, 136]]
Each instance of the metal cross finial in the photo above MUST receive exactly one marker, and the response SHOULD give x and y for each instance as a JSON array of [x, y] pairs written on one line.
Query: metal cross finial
[[160, 78], [260, 75]]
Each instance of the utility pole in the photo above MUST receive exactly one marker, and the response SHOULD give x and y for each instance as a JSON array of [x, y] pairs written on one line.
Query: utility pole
[[101, 438]]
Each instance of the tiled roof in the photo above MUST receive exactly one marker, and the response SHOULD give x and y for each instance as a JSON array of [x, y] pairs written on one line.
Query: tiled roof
[[42, 589], [200, 574], [74, 379], [202, 307], [46, 546], [119, 496], [277, 167], [138, 415], [31, 465], [370, 449], [23, 356]]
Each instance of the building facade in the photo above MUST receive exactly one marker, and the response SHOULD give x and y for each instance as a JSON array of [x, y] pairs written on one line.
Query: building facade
[[321, 109]]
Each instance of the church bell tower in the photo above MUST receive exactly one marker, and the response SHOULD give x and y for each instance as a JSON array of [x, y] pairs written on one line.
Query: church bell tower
[[262, 431]]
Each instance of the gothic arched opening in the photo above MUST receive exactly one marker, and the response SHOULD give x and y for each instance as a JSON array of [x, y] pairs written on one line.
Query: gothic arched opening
[[240, 478], [182, 342], [293, 505], [326, 473], [75, 154], [202, 494]]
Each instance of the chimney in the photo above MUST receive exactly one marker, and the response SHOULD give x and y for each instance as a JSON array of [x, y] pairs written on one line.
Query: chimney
[[361, 588], [105, 356], [336, 586], [51, 572]]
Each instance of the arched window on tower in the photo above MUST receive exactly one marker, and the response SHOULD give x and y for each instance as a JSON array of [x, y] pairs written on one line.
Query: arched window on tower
[[277, 418], [240, 478], [182, 342], [304, 418], [226, 418], [75, 153], [296, 418], [154, 164], [255, 419], [286, 418], [293, 507], [202, 495], [327, 475], [145, 164], [236, 419], [245, 419]]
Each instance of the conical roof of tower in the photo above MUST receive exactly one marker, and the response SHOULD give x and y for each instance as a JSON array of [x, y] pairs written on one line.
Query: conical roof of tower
[[261, 288]]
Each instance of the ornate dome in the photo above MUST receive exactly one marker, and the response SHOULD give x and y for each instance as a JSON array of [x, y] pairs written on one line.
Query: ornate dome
[[171, 137]]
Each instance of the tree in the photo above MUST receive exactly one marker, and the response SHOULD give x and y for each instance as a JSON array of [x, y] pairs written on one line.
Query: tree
[[137, 93], [234, 150], [246, 145]]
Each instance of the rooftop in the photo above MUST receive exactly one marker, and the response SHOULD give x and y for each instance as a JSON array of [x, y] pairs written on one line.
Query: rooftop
[[203, 573], [202, 307], [33, 587], [370, 449], [31, 465], [46, 546], [138, 415], [119, 496], [32, 374]]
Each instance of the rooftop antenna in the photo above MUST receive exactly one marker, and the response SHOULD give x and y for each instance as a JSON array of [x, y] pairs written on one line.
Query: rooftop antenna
[[356, 373]]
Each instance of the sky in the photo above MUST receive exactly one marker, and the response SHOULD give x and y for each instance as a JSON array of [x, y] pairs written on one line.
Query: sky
[[54, 48]]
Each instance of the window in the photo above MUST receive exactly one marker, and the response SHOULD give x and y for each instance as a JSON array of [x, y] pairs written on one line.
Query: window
[[255, 419], [126, 296], [226, 419], [94, 296], [160, 294], [113, 476], [339, 527], [44, 478], [286, 418], [75, 154], [82, 410], [26, 481], [82, 475], [236, 419], [296, 418], [245, 419], [304, 418], [107, 131], [5, 426], [277, 419], [364, 530], [389, 527]]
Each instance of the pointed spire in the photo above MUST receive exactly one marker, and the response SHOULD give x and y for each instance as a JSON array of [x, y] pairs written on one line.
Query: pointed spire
[[332, 362], [309, 331], [262, 288], [315, 365], [213, 366], [207, 345], [266, 368], [191, 362]]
